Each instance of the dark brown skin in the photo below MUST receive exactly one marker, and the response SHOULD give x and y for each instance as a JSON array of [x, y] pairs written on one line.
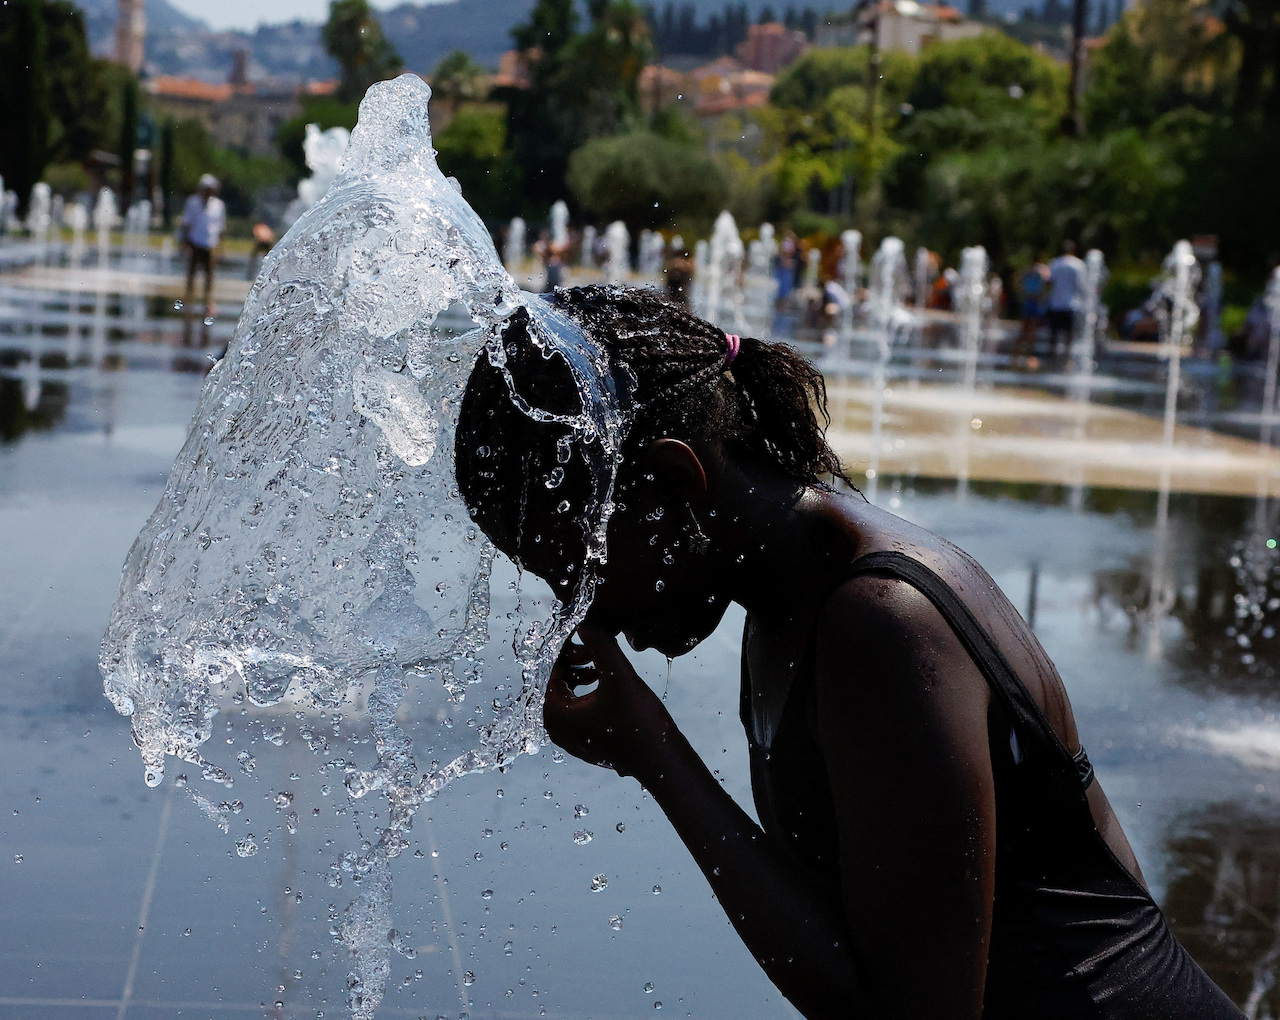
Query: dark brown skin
[[902, 727]]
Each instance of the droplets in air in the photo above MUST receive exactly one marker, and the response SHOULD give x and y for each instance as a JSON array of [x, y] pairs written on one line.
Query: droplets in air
[[615, 922]]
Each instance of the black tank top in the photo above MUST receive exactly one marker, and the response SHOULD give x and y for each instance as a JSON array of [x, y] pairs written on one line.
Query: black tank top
[[1074, 934]]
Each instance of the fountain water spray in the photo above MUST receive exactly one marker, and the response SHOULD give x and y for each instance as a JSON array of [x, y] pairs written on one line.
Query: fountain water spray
[[925, 273], [559, 224], [850, 279], [617, 244], [77, 218], [886, 317], [587, 257], [324, 152], [311, 539], [1176, 312], [104, 220], [513, 247], [1272, 301], [718, 294], [40, 217], [760, 285]]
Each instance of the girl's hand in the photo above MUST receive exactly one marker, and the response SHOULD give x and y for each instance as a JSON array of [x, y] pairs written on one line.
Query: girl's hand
[[621, 724]]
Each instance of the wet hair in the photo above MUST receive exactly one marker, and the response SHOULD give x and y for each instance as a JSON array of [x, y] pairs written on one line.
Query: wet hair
[[768, 408]]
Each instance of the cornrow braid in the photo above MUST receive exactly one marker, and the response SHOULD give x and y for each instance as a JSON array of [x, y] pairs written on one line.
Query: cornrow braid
[[769, 405]]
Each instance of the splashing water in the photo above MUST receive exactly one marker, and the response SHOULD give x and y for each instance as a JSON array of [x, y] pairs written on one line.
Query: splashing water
[[311, 539]]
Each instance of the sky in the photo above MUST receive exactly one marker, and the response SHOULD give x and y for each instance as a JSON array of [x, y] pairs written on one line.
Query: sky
[[248, 14]]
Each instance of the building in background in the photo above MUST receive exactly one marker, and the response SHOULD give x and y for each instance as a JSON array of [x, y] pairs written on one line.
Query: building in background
[[903, 25], [770, 47], [238, 114]]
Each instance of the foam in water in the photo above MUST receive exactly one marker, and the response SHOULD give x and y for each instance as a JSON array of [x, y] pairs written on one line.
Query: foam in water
[[311, 538]]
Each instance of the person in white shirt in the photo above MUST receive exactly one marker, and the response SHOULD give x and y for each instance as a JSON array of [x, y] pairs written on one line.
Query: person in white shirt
[[203, 219], [1066, 281]]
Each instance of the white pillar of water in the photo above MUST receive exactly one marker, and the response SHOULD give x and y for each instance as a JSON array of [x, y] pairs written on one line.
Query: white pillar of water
[[324, 152], [760, 285], [1273, 357], [8, 210], [1090, 319], [77, 218], [560, 224], [651, 252], [698, 299], [39, 216], [617, 242], [513, 246], [587, 257], [923, 277], [886, 288], [1178, 321], [1178, 313], [850, 279], [970, 300], [970, 305], [104, 219], [724, 291]]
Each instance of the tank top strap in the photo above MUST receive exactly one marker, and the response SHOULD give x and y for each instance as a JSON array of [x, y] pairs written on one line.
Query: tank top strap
[[1001, 677]]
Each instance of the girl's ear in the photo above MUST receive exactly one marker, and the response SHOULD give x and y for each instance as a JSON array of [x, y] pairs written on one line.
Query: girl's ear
[[677, 471]]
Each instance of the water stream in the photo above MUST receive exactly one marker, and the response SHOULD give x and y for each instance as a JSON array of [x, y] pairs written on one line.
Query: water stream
[[311, 550]]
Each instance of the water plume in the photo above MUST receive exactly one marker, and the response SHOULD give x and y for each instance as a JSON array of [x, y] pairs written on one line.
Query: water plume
[[311, 542]]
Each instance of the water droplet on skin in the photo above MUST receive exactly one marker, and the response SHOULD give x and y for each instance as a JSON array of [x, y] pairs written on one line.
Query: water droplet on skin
[[487, 894], [599, 883], [582, 837], [615, 922], [621, 827], [657, 890], [659, 585], [648, 987], [469, 978]]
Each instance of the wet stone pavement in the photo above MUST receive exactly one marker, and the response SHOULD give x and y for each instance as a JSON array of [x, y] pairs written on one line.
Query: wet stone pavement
[[125, 902]]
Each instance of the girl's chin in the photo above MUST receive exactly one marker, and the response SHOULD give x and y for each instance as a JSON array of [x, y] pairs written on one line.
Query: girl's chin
[[670, 645]]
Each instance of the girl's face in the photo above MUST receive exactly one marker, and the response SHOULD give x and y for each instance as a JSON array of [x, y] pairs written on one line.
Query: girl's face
[[659, 588]]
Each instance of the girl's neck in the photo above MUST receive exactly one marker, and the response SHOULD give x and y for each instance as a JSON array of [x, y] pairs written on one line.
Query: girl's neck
[[782, 548]]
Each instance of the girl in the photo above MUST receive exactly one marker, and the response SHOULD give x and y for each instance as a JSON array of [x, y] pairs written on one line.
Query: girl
[[933, 843]]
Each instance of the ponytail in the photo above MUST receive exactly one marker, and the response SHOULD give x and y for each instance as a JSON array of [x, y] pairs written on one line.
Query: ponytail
[[784, 404]]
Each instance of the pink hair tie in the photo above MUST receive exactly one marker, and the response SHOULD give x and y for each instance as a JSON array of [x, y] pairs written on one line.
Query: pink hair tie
[[732, 344]]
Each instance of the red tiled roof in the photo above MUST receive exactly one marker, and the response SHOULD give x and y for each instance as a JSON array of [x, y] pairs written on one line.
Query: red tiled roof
[[171, 87]]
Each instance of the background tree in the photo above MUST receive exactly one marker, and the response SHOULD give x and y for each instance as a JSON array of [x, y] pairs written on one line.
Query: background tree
[[583, 85], [78, 85], [353, 37], [472, 148], [24, 97], [646, 180]]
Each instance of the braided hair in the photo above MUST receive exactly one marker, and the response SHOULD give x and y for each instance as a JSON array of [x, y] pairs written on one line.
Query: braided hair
[[769, 407]]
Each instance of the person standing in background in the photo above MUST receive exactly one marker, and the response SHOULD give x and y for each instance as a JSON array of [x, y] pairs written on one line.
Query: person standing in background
[[1066, 280], [203, 220]]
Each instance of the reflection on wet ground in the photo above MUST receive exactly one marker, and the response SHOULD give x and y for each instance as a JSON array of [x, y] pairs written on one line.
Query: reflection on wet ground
[[1224, 899], [130, 903]]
